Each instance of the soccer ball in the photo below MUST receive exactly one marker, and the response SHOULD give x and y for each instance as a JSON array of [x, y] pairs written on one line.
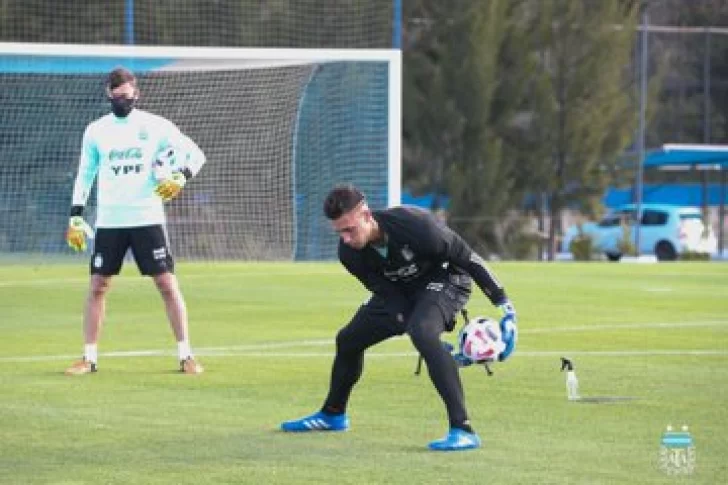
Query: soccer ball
[[480, 340], [166, 162]]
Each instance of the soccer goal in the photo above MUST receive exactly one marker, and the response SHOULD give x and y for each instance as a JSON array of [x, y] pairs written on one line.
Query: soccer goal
[[279, 127]]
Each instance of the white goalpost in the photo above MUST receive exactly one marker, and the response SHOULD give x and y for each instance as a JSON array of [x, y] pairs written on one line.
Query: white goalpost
[[279, 127]]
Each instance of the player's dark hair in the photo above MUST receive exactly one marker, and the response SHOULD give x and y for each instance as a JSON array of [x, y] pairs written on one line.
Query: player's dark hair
[[119, 76], [341, 200]]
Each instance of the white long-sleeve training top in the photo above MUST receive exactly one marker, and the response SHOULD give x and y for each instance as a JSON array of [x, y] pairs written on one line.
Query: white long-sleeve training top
[[120, 154]]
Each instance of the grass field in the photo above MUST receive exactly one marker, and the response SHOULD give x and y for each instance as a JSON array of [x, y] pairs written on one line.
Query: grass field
[[655, 333]]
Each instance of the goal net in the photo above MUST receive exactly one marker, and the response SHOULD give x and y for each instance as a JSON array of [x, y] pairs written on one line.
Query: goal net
[[279, 127]]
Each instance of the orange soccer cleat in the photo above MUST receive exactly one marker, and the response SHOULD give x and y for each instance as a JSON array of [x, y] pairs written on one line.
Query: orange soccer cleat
[[81, 367], [190, 366]]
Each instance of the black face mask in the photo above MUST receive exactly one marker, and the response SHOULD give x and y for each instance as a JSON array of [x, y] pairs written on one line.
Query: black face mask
[[121, 106]]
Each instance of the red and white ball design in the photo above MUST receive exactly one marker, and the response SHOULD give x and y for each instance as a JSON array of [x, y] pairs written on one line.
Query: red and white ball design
[[480, 340]]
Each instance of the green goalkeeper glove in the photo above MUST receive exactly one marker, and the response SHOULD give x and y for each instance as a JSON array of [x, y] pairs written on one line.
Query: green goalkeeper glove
[[77, 232], [170, 188]]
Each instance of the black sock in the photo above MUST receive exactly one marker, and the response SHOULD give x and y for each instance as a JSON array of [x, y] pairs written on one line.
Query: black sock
[[332, 410], [464, 425]]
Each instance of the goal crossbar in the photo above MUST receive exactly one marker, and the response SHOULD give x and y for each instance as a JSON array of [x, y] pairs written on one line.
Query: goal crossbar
[[177, 52]]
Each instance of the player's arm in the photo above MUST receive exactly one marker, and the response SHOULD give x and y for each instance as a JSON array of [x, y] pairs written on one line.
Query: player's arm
[[88, 166], [379, 285], [448, 245], [441, 242], [193, 158]]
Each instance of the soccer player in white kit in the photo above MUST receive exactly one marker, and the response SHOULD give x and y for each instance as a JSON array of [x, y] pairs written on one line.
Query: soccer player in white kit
[[119, 151]]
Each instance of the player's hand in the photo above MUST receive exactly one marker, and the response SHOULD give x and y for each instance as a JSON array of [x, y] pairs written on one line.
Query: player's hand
[[77, 232], [509, 330], [170, 188]]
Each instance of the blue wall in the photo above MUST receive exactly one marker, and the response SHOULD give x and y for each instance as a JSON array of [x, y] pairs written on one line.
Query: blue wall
[[675, 194]]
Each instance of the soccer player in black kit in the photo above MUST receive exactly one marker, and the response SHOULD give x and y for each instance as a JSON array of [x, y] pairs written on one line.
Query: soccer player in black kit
[[419, 272]]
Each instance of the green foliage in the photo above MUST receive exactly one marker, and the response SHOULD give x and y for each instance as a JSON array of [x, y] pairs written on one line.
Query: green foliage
[[694, 256], [517, 97], [683, 113], [518, 238], [586, 115], [523, 245], [432, 123], [243, 23], [626, 245], [463, 93], [582, 246]]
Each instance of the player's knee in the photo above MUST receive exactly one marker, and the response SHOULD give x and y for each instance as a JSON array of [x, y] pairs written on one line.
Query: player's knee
[[345, 342], [424, 338], [166, 283], [100, 285]]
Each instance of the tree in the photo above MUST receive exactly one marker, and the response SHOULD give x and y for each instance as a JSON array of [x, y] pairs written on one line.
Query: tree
[[487, 81], [686, 114], [464, 82], [233, 23], [586, 114], [432, 123]]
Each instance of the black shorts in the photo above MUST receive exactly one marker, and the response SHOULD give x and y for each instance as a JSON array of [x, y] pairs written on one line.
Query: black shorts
[[436, 306], [148, 245], [450, 294]]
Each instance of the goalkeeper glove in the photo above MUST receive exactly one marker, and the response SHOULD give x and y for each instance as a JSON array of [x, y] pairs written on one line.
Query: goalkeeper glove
[[509, 331], [170, 188], [462, 360], [77, 232]]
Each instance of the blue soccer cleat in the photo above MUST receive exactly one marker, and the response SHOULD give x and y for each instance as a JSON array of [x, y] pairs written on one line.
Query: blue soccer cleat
[[456, 440], [319, 421]]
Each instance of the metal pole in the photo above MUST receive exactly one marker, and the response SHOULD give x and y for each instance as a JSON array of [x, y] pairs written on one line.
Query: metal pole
[[706, 120], [721, 211], [641, 135], [706, 89], [129, 22], [397, 24]]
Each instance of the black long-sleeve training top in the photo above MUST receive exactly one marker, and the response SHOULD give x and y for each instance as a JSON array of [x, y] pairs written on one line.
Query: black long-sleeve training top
[[420, 250]]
